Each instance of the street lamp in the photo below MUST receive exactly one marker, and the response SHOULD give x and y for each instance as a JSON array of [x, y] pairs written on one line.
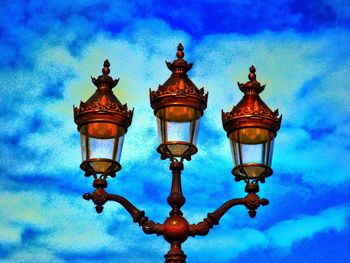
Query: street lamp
[[178, 106]]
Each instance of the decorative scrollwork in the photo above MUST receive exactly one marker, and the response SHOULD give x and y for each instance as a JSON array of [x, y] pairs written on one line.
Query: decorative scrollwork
[[99, 197], [186, 155], [178, 89], [258, 109], [87, 168], [179, 83], [103, 104], [240, 173], [112, 169]]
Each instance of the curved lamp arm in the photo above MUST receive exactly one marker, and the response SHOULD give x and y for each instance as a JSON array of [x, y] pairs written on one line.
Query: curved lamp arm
[[252, 201], [138, 216], [100, 197]]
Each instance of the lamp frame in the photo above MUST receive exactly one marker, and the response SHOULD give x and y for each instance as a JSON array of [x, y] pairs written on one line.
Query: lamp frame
[[178, 90], [103, 106], [251, 112]]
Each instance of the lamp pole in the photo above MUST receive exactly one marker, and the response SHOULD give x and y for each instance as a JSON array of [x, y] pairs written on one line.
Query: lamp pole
[[178, 105]]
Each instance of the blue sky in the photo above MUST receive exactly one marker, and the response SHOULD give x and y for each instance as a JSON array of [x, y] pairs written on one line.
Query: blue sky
[[50, 50]]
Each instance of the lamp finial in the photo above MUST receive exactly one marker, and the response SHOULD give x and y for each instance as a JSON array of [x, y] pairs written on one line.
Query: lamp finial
[[106, 66], [252, 75], [180, 54]]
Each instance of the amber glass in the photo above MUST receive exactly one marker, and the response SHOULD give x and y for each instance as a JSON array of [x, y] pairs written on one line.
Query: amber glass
[[252, 148], [178, 125], [101, 143]]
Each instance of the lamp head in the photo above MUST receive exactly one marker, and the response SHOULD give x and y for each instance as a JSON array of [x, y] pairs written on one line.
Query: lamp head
[[102, 122], [251, 127], [178, 105]]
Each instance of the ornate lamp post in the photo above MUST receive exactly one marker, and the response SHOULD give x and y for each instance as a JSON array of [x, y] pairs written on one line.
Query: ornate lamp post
[[178, 105]]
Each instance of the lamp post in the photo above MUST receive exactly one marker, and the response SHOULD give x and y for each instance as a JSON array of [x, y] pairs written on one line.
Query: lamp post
[[178, 106]]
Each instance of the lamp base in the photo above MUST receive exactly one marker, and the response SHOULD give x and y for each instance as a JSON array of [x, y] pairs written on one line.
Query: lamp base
[[177, 149], [253, 172], [91, 167]]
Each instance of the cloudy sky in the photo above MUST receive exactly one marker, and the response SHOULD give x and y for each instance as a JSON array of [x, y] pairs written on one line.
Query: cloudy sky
[[50, 49]]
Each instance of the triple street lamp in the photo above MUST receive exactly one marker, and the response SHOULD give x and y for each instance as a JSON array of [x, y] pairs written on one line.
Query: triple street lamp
[[178, 105]]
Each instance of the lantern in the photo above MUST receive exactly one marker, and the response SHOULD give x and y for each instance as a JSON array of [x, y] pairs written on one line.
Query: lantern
[[251, 127], [178, 105], [102, 122]]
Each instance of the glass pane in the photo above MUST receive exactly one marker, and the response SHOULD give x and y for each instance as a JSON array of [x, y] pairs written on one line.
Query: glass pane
[[252, 146], [250, 153], [100, 166], [83, 140], [174, 131], [235, 152], [269, 162], [178, 124], [104, 130], [267, 153], [178, 114], [177, 149], [252, 135], [101, 148], [101, 143], [194, 128], [118, 149]]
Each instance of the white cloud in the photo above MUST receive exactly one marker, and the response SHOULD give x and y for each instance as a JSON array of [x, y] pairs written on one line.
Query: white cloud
[[303, 227], [286, 61], [220, 61], [69, 225], [64, 224], [33, 255], [228, 243]]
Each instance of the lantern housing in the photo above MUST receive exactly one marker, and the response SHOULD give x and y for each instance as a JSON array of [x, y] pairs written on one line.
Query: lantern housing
[[178, 105], [102, 122], [251, 127]]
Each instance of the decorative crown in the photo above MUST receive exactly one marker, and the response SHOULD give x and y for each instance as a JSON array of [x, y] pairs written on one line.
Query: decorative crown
[[179, 84], [251, 109], [103, 105]]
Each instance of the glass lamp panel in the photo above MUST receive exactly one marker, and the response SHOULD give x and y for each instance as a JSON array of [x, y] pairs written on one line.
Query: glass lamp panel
[[101, 143], [252, 147], [118, 147], [178, 124], [84, 143]]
